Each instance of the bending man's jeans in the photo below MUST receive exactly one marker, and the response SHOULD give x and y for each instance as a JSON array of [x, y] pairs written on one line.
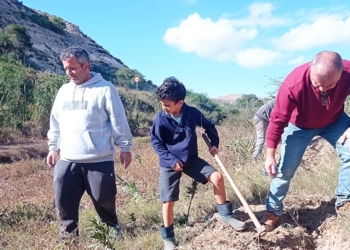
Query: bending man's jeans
[[294, 143]]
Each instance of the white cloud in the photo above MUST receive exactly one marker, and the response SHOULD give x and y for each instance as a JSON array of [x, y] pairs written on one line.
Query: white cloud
[[325, 30], [260, 16], [218, 40], [258, 40], [257, 57], [296, 61], [190, 2]]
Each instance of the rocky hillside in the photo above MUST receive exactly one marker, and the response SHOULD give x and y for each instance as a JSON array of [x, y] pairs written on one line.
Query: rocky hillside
[[49, 39], [228, 98]]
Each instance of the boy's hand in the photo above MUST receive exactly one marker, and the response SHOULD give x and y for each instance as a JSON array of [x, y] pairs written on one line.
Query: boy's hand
[[178, 166], [213, 150]]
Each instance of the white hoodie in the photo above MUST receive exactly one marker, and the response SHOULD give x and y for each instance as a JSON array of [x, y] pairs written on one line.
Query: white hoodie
[[87, 120]]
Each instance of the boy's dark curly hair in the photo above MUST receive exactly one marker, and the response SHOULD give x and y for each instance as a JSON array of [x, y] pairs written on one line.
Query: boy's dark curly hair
[[171, 89]]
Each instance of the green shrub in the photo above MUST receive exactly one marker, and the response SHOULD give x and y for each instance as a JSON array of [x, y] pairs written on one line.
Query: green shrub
[[53, 23], [125, 77], [21, 38], [14, 39], [248, 102], [13, 99], [139, 109], [212, 110], [45, 90], [58, 22]]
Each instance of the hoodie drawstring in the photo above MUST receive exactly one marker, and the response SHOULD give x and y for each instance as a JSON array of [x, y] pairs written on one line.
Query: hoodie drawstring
[[74, 93]]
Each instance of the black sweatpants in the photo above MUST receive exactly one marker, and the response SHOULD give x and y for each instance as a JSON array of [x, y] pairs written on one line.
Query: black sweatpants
[[71, 180]]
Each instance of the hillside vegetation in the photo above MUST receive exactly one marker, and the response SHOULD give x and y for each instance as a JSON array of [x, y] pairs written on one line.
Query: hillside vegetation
[[26, 95]]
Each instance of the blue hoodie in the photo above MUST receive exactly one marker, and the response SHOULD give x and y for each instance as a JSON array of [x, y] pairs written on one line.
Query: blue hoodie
[[173, 141]]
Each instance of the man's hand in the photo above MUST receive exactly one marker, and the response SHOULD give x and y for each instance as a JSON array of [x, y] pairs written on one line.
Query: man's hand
[[213, 150], [344, 137], [52, 158], [125, 159], [270, 163], [178, 166]]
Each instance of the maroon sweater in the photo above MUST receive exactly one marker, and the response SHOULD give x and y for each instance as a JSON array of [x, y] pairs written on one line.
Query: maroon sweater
[[299, 103]]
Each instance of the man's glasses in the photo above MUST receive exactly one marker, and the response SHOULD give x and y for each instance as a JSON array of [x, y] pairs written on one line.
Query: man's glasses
[[324, 99]]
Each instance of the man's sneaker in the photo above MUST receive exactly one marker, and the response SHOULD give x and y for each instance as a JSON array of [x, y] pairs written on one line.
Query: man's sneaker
[[269, 220], [115, 233], [169, 244], [344, 210]]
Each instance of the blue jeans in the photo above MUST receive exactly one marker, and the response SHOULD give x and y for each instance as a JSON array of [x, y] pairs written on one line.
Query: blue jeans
[[294, 143]]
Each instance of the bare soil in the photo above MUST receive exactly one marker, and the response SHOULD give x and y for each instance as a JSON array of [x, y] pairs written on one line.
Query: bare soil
[[310, 223], [24, 149]]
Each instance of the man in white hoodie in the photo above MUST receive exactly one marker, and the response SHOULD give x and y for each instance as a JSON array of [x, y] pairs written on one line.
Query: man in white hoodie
[[87, 120]]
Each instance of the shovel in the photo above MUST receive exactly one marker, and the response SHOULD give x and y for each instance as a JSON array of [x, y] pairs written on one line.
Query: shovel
[[259, 227]]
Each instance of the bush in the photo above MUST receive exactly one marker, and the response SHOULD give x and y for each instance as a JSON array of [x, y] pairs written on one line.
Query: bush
[[21, 38], [140, 110], [54, 24], [6, 44], [248, 102], [212, 110], [58, 22], [15, 39], [125, 77], [13, 99], [45, 90]]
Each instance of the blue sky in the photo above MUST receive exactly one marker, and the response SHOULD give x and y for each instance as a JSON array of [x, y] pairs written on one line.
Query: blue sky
[[217, 47]]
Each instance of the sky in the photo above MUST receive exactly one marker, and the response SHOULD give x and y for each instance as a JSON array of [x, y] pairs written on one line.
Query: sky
[[214, 47]]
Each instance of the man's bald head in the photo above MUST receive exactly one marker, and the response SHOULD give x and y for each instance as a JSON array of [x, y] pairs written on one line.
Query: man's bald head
[[325, 70]]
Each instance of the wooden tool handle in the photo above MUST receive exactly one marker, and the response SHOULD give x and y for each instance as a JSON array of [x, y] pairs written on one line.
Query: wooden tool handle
[[206, 139], [235, 188]]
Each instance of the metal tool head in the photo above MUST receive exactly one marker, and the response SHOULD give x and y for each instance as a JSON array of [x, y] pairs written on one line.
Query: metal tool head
[[261, 231]]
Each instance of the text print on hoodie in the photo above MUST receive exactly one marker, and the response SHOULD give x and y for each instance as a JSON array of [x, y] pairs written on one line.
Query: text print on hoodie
[[87, 120]]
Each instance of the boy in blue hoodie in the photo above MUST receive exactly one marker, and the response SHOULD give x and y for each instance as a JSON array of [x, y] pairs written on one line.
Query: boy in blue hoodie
[[174, 139]]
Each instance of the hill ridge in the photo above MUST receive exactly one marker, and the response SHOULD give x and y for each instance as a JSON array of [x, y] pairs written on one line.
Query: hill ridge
[[47, 44]]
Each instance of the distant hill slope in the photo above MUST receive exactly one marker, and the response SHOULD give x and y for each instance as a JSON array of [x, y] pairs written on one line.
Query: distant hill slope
[[227, 98], [48, 41]]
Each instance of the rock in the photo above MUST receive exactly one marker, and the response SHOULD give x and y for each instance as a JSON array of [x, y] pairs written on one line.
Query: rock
[[48, 43]]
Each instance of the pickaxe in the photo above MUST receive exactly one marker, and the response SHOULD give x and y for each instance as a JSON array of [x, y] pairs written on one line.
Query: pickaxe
[[261, 229]]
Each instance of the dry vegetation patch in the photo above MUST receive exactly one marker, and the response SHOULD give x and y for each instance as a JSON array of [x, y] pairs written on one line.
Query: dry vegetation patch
[[28, 221]]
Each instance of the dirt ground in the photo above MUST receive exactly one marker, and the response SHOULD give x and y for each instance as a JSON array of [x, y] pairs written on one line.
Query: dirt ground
[[22, 150], [313, 225], [308, 223]]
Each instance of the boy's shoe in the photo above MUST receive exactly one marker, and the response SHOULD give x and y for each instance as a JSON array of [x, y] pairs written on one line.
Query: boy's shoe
[[269, 221], [226, 215], [168, 236], [169, 244], [343, 210], [236, 224]]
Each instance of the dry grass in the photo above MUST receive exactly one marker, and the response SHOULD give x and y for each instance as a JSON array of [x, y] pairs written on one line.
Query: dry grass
[[27, 217]]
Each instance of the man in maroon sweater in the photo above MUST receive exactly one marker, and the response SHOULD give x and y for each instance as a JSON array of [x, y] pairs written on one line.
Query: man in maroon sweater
[[310, 102]]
